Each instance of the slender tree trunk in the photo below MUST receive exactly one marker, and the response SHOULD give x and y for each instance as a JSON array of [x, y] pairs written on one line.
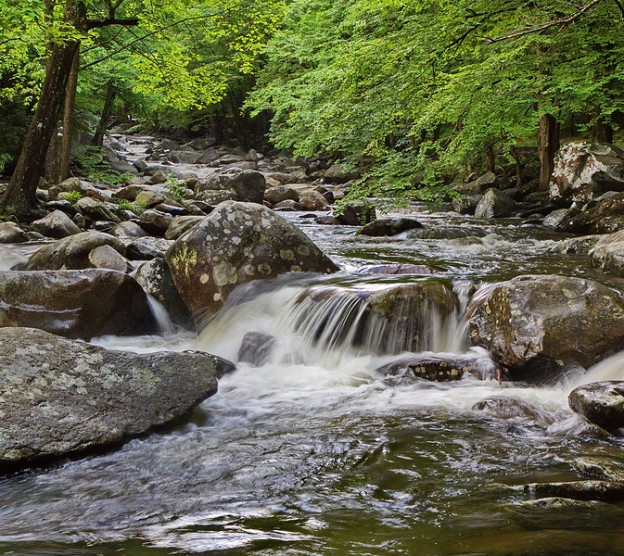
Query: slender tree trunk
[[68, 119], [603, 132], [516, 156], [19, 198], [548, 147], [100, 130], [490, 159]]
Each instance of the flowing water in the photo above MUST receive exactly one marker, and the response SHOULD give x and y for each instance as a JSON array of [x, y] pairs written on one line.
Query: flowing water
[[314, 452]]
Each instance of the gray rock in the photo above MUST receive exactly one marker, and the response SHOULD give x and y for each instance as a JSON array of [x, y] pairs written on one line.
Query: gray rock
[[602, 468], [107, 258], [576, 245], [287, 206], [495, 204], [72, 252], [356, 214], [145, 248], [598, 217], [503, 407], [181, 225], [149, 199], [56, 224], [606, 491], [60, 397], [97, 210], [601, 403], [237, 243], [154, 222], [389, 226], [256, 348], [555, 218], [275, 195], [608, 253], [436, 369], [245, 185], [12, 233], [126, 230], [216, 196], [313, 200], [466, 204], [75, 304], [540, 323], [584, 171]]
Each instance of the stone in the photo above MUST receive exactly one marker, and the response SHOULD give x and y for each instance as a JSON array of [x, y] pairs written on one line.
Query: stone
[[576, 245], [287, 206], [480, 185], [276, 195], [149, 199], [106, 257], [339, 173], [127, 230], [495, 204], [145, 248], [606, 491], [256, 348], [216, 196], [154, 222], [604, 216], [537, 324], [75, 303], [466, 204], [72, 252], [389, 226], [97, 210], [312, 200], [56, 224], [608, 253], [61, 398], [584, 171], [129, 192], [180, 225], [601, 403], [601, 468], [12, 233], [504, 407], [437, 369], [555, 218], [245, 185], [356, 214], [237, 243], [399, 268]]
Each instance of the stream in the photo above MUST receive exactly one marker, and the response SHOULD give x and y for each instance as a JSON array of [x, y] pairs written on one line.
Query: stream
[[315, 453]]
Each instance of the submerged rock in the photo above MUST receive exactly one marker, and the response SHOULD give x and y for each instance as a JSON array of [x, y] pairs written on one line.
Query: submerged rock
[[601, 403], [399, 268], [60, 397], [237, 243], [75, 303], [436, 368], [256, 348], [607, 491], [600, 467], [540, 323], [504, 407]]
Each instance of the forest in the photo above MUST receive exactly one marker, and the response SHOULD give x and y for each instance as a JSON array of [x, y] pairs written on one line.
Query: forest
[[417, 95]]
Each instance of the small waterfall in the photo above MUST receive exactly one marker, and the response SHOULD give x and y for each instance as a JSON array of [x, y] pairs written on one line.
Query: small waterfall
[[163, 321], [324, 323]]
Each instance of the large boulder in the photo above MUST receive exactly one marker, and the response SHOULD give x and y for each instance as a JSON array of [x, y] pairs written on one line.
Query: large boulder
[[56, 224], [540, 323], [602, 216], [60, 397], [237, 243], [245, 185], [75, 304], [72, 252], [495, 204], [583, 171], [602, 403], [12, 233], [608, 253]]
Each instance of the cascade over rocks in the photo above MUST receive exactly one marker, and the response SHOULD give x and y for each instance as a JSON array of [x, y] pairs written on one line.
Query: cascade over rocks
[[72, 252], [584, 171], [438, 369], [60, 397], [540, 323], [601, 403], [75, 303], [237, 243]]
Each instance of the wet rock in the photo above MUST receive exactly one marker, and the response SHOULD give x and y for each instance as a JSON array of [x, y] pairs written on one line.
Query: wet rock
[[12, 233], [389, 226], [555, 218], [75, 304], [598, 217], [601, 403], [495, 204], [106, 257], [149, 199], [276, 195], [600, 467], [399, 269], [313, 200], [244, 185], [57, 225], [606, 491], [126, 230], [72, 252], [326, 220], [584, 171], [97, 210], [356, 214], [60, 397], [287, 206], [537, 324], [154, 222], [576, 245], [256, 348], [181, 225], [237, 243], [466, 204], [145, 248], [608, 253], [503, 407], [155, 278], [436, 369]]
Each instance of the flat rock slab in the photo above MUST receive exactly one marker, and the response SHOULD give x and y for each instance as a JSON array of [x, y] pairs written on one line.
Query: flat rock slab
[[60, 397]]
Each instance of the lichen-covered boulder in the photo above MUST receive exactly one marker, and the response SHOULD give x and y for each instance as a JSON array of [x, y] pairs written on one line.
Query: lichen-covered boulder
[[584, 171], [72, 252], [602, 403], [237, 243], [60, 397], [540, 323], [75, 303]]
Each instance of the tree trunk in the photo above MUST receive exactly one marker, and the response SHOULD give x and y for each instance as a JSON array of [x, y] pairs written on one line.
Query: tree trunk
[[20, 197], [516, 156], [100, 130], [548, 147], [68, 119], [490, 159], [603, 132]]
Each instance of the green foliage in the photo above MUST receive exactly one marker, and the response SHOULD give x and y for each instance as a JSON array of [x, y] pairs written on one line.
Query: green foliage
[[133, 206], [175, 188], [94, 166], [73, 196]]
